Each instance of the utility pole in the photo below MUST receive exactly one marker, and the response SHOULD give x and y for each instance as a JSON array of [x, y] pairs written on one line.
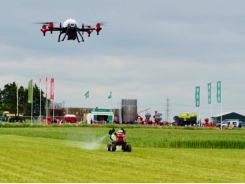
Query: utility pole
[[167, 110], [64, 106]]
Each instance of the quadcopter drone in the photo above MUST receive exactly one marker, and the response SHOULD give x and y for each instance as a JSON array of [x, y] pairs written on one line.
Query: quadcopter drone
[[70, 29]]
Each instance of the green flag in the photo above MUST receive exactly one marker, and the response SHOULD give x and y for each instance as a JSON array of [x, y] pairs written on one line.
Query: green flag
[[110, 95], [219, 91], [197, 96], [30, 91], [209, 93], [87, 94]]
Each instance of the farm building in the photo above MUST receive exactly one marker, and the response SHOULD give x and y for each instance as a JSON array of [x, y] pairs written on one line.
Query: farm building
[[96, 114], [228, 115]]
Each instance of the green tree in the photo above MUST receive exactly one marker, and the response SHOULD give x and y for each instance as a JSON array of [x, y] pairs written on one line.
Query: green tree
[[22, 99], [1, 101], [8, 100]]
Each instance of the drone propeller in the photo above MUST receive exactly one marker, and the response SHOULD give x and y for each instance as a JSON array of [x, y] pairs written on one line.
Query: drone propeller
[[102, 23], [42, 22], [47, 23]]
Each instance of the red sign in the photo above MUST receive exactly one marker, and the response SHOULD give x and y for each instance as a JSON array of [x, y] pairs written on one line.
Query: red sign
[[52, 89]]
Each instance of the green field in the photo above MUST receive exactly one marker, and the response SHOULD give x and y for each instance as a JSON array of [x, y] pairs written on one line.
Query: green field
[[159, 154]]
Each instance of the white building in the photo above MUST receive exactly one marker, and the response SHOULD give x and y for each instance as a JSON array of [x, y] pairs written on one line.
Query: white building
[[96, 114]]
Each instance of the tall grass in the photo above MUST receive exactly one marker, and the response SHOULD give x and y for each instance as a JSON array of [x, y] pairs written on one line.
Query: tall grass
[[138, 136]]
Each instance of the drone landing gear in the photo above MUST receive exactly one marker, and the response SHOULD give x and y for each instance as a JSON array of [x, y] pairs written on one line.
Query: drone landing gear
[[59, 37], [72, 32], [79, 34]]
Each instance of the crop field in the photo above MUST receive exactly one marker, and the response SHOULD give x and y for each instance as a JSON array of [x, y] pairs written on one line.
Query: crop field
[[44, 154]]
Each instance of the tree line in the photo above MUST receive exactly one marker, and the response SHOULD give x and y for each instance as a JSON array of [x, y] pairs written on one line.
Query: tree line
[[8, 100]]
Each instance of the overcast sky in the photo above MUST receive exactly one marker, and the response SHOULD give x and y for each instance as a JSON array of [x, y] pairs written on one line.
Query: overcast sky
[[149, 50]]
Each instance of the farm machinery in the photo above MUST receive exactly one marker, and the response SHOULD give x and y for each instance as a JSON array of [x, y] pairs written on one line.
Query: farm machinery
[[7, 116], [118, 139], [145, 121], [209, 123], [158, 118], [186, 118]]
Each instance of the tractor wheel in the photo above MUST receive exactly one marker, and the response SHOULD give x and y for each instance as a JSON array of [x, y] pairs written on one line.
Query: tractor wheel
[[108, 147], [113, 147], [129, 148], [124, 148]]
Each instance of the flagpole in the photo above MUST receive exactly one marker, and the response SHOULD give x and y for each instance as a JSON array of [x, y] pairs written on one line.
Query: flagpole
[[88, 100], [219, 99], [32, 103], [87, 96], [210, 99], [199, 115], [40, 99], [53, 102], [46, 99], [197, 98], [53, 109], [17, 103], [221, 103]]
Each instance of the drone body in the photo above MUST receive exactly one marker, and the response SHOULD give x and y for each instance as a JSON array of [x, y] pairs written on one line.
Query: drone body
[[70, 29]]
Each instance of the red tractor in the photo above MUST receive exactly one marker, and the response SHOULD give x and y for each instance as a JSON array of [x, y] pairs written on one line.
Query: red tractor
[[118, 139], [70, 118]]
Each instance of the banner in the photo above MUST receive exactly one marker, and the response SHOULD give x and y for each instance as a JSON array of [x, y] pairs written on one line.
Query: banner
[[197, 96], [52, 89], [110, 96], [219, 91], [209, 94], [30, 91], [87, 94]]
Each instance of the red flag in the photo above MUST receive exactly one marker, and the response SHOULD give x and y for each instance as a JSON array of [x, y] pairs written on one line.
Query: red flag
[[52, 89]]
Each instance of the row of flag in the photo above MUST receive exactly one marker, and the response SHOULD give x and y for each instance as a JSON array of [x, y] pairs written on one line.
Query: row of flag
[[30, 89], [87, 95], [218, 94]]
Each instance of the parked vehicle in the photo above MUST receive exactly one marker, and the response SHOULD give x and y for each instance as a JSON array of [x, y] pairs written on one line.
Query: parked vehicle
[[70, 118], [7, 116], [226, 122]]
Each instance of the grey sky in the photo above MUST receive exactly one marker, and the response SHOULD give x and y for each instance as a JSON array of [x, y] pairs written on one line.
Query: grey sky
[[148, 50]]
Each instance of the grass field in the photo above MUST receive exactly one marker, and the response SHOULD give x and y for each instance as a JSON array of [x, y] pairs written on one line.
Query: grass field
[[78, 154]]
